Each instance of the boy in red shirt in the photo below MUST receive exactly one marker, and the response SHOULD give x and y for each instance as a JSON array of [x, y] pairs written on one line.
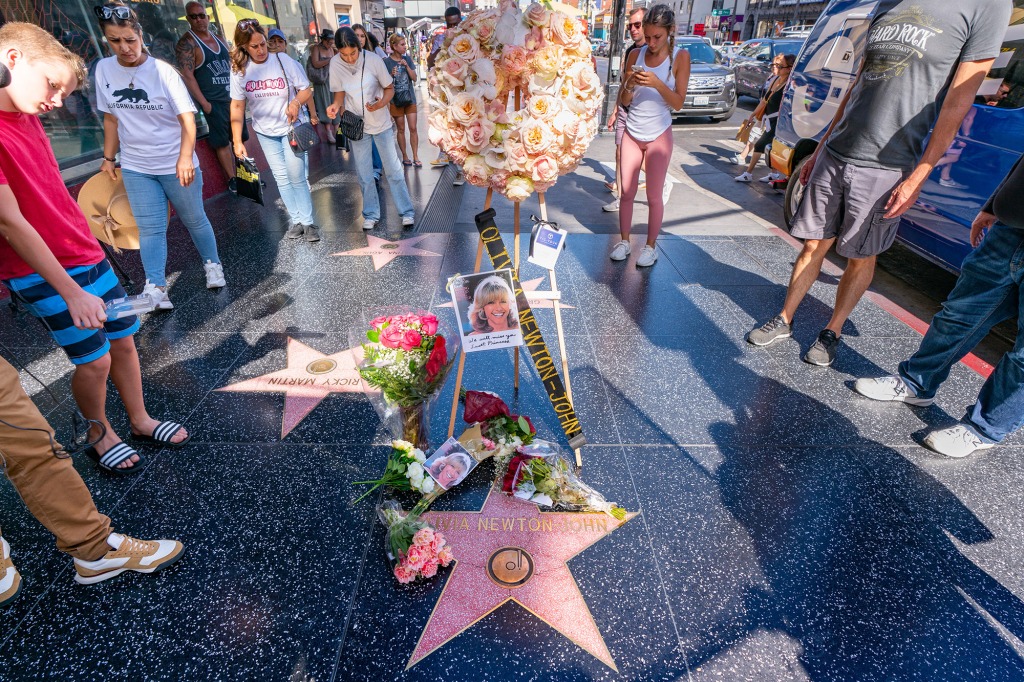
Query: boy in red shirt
[[51, 262]]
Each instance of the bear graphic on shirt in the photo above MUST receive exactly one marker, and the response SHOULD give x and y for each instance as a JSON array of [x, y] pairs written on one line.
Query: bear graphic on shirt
[[133, 95]]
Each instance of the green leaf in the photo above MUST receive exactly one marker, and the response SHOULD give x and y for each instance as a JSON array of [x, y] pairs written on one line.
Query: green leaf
[[373, 335], [524, 425]]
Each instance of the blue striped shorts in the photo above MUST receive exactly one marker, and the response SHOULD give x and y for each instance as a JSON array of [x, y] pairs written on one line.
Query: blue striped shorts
[[43, 301]]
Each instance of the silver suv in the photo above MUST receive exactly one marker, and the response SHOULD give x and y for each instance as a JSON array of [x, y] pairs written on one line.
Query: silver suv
[[712, 88]]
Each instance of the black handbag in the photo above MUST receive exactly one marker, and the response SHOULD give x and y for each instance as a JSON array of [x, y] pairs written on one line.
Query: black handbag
[[403, 88], [352, 125], [302, 135], [247, 180]]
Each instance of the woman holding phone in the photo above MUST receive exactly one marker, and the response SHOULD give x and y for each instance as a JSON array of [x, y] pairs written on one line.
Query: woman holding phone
[[655, 87]]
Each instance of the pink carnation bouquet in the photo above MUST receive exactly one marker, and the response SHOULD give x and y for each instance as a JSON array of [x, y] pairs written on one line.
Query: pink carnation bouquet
[[415, 548]]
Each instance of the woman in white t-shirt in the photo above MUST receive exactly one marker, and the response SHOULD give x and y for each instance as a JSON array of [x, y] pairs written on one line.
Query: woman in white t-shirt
[[149, 115], [361, 83], [274, 87]]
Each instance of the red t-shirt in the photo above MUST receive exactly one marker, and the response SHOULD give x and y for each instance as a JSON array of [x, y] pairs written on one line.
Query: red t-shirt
[[28, 165]]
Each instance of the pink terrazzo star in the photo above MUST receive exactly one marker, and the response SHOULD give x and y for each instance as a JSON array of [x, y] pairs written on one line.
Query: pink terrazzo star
[[550, 592], [309, 377], [383, 252], [529, 286]]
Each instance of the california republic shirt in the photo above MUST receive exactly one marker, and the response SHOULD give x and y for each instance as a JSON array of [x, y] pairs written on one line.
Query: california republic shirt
[[267, 89], [146, 101], [913, 49]]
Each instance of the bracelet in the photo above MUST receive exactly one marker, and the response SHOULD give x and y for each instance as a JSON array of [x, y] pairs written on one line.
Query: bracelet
[[107, 158]]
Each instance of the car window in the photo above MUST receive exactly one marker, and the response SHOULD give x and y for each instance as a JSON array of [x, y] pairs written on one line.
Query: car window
[[700, 53], [1004, 86], [763, 53], [750, 49], [787, 47]]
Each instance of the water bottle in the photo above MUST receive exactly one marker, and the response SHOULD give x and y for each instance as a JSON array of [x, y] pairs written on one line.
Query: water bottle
[[129, 305]]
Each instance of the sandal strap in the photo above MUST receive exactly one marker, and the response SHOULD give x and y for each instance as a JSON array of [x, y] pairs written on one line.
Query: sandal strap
[[165, 431], [116, 454]]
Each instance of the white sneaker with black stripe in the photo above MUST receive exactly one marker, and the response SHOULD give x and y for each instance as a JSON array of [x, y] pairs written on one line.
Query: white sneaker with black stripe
[[10, 579], [890, 389], [128, 554]]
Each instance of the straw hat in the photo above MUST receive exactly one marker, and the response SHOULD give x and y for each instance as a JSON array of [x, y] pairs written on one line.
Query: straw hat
[[105, 204]]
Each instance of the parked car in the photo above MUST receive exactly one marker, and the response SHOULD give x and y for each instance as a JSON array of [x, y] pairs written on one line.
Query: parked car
[[753, 62], [989, 141], [712, 87]]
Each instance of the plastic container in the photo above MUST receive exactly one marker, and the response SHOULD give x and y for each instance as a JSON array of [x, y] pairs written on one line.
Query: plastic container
[[129, 305]]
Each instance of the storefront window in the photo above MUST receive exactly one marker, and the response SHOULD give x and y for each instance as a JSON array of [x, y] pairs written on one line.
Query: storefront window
[[76, 130]]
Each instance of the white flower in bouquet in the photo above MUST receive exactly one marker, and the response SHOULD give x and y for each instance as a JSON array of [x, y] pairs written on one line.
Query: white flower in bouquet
[[541, 499], [415, 473]]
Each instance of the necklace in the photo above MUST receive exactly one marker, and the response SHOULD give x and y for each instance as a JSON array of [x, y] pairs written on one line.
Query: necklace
[[131, 76]]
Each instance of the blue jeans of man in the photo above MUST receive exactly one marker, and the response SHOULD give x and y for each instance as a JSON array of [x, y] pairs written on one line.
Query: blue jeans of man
[[291, 172], [362, 150], [148, 196], [378, 165], [987, 293]]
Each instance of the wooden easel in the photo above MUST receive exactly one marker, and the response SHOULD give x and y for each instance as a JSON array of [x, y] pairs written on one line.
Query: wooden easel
[[554, 295]]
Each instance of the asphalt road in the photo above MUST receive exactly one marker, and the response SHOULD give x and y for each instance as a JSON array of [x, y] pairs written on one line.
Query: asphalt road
[[907, 279]]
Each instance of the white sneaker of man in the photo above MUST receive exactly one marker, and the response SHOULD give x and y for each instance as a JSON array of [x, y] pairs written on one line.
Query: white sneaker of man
[[128, 554], [158, 295], [620, 251], [369, 224], [957, 441], [10, 579], [214, 275], [408, 221], [891, 389], [744, 177]]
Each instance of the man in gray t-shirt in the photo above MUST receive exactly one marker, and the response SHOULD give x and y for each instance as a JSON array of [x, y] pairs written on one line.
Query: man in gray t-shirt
[[924, 62]]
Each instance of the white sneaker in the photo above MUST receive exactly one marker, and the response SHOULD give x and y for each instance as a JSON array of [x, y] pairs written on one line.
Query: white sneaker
[[611, 207], [666, 192], [460, 179], [408, 221], [768, 178], [369, 224], [744, 177], [957, 441], [128, 554], [620, 251], [737, 160], [10, 579], [648, 257], [891, 388], [214, 275], [158, 295]]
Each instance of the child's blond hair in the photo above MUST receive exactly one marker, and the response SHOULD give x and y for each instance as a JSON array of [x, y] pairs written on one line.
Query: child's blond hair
[[35, 43]]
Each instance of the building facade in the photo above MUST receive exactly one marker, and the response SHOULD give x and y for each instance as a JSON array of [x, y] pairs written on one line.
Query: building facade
[[768, 17]]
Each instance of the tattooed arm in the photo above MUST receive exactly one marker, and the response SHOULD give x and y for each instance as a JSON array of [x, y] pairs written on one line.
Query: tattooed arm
[[185, 53]]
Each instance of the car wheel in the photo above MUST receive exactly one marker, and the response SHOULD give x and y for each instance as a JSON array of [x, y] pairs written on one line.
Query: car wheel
[[794, 193]]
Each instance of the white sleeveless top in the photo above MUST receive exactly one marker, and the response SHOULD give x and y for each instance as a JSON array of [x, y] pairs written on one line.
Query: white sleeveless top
[[649, 114]]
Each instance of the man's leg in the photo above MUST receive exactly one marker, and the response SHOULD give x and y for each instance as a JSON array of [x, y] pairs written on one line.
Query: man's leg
[[226, 158], [126, 373], [855, 281], [51, 488], [805, 273], [999, 410]]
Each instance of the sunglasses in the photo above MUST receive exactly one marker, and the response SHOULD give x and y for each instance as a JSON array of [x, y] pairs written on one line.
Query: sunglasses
[[636, 24], [108, 12], [248, 24], [197, 17]]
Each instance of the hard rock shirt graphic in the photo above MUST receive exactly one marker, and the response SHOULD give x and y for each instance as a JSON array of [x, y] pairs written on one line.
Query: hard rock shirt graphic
[[895, 41]]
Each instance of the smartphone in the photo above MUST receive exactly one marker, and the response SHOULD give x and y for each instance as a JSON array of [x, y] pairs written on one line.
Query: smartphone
[[637, 69]]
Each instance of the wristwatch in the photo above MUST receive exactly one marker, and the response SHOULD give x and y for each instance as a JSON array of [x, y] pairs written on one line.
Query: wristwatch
[[107, 158]]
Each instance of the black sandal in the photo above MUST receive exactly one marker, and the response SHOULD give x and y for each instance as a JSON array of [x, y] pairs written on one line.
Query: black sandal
[[162, 435], [118, 453]]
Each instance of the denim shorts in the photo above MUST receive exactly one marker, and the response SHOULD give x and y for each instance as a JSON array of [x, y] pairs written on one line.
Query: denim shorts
[[846, 202], [43, 301]]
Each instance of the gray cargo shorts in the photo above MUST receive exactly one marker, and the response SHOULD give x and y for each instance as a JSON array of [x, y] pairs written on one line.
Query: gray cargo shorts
[[847, 202]]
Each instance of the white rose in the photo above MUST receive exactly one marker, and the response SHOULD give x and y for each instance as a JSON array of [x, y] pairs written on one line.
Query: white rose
[[427, 486], [415, 471]]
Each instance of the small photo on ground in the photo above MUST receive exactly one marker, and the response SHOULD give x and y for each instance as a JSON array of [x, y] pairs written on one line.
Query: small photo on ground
[[450, 464]]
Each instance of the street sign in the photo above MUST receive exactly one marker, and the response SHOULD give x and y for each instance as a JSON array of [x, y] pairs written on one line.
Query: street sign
[[721, 12]]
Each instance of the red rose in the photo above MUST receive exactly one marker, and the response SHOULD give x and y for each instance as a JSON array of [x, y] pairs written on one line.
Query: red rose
[[378, 322], [391, 337], [429, 324], [438, 358], [511, 479], [410, 339], [481, 406]]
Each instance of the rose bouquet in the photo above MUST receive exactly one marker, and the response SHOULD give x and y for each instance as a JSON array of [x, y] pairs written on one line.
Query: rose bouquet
[[407, 356], [404, 471], [540, 474], [414, 547], [495, 431], [482, 62]]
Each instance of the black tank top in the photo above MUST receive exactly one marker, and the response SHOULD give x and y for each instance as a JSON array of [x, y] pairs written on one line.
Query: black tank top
[[214, 74]]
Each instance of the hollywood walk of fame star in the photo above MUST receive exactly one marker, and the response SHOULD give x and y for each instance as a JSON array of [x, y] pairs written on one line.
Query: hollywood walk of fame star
[[309, 377], [383, 252], [512, 551], [529, 286]]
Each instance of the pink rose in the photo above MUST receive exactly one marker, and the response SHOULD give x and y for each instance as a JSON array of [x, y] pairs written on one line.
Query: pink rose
[[478, 135], [499, 179], [476, 169], [537, 137], [465, 47], [515, 155], [410, 339], [404, 575], [429, 324], [391, 337], [535, 39], [423, 537], [437, 543], [459, 156], [537, 15], [565, 30], [514, 59], [378, 322], [445, 556], [544, 169], [455, 70], [416, 557], [485, 30], [429, 569]]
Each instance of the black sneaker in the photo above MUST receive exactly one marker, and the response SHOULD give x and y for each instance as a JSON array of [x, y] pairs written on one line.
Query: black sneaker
[[295, 231], [771, 331], [233, 185], [312, 233], [823, 351]]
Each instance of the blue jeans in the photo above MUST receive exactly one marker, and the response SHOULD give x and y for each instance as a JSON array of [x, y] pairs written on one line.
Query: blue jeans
[[363, 152], [291, 172], [987, 293], [148, 196], [377, 164]]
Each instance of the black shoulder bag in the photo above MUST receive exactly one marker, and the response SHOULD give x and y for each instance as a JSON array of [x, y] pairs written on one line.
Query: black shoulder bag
[[351, 124], [302, 135]]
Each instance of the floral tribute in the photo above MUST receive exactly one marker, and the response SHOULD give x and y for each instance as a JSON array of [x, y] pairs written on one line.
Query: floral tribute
[[544, 476], [404, 471], [543, 53], [496, 432], [415, 548]]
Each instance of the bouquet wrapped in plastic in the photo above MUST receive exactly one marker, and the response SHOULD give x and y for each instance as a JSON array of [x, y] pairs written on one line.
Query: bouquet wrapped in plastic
[[495, 431], [406, 355], [404, 471], [415, 548], [541, 474]]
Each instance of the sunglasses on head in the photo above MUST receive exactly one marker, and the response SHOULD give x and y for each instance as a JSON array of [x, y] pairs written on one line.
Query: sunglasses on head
[[248, 24], [108, 12], [197, 17], [636, 24]]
